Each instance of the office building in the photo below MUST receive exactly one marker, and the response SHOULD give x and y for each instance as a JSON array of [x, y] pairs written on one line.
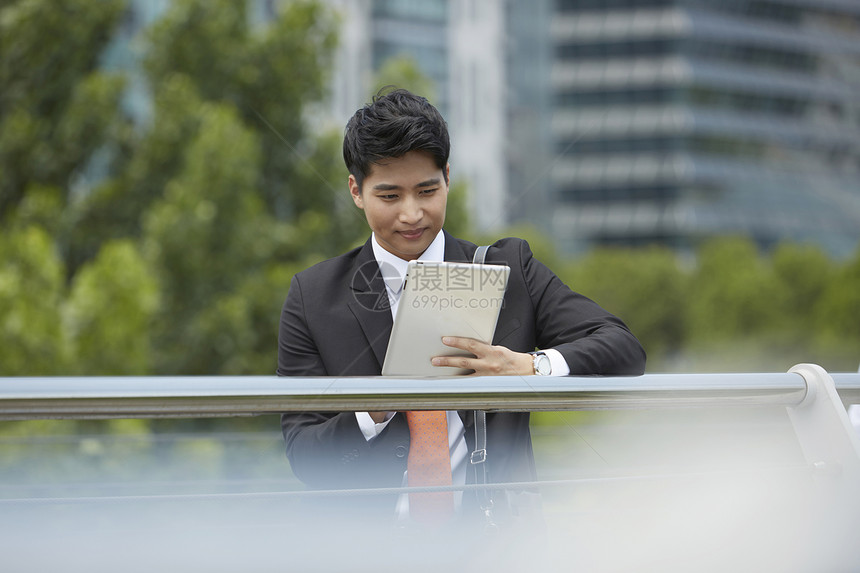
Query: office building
[[678, 120]]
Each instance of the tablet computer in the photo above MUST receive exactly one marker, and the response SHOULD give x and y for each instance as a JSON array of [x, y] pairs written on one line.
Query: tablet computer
[[443, 299]]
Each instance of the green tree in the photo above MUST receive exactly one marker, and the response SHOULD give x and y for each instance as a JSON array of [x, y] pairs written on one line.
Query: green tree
[[56, 109], [205, 235], [270, 74], [541, 244], [32, 287], [109, 312], [251, 192], [457, 219], [187, 226], [646, 288], [733, 291], [333, 224], [733, 310], [837, 317], [146, 162], [801, 274]]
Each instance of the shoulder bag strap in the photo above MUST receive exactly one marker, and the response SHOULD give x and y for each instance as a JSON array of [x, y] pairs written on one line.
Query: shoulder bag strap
[[478, 457]]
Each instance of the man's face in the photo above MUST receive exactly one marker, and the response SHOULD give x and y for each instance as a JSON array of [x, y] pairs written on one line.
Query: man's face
[[404, 200]]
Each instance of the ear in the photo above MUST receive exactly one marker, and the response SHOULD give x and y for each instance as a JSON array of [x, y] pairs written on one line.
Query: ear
[[448, 175], [355, 191]]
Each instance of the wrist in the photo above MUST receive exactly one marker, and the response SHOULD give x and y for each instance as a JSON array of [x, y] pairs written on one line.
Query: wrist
[[528, 367]]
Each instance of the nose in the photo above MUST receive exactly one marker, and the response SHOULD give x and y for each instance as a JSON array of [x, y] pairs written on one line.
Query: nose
[[411, 211]]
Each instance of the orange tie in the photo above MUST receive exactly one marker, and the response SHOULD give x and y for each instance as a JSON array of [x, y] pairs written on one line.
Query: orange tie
[[429, 464]]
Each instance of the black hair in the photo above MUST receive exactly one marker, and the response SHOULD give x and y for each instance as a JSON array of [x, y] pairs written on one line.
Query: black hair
[[392, 125]]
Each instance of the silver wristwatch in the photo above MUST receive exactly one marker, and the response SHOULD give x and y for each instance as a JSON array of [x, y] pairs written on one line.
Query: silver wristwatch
[[542, 365]]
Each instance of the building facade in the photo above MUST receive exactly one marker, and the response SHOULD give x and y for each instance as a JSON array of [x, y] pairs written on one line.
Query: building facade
[[677, 120]]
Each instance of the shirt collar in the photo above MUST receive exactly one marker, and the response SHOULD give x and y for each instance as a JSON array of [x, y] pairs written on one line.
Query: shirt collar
[[393, 268]]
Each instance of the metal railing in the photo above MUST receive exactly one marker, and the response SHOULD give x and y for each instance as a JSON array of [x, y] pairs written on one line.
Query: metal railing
[[210, 396], [812, 400]]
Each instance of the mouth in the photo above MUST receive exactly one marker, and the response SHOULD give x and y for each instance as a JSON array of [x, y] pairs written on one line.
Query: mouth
[[411, 234]]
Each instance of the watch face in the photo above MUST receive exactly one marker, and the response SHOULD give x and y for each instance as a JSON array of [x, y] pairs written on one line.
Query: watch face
[[543, 366]]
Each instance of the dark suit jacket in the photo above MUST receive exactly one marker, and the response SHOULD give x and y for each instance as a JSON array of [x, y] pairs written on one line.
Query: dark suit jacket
[[336, 322]]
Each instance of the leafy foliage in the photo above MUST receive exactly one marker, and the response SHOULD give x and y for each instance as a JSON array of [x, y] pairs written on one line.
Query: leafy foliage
[[646, 288], [836, 324], [31, 292], [109, 312], [53, 101], [164, 247]]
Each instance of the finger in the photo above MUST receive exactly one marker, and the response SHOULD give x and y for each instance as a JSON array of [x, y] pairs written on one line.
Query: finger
[[454, 341], [473, 345], [453, 361]]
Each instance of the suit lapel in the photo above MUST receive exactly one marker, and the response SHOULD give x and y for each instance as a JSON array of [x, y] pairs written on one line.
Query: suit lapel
[[370, 304]]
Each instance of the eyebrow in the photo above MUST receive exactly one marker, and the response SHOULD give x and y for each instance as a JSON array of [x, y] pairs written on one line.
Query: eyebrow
[[390, 187]]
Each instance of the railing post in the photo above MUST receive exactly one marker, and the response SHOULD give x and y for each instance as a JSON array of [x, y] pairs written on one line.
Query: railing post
[[831, 446], [825, 433]]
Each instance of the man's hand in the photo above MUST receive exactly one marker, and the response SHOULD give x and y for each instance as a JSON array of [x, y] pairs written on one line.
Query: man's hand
[[489, 360]]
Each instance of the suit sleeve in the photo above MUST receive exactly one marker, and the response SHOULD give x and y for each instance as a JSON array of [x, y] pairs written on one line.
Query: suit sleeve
[[298, 354], [327, 449], [592, 340]]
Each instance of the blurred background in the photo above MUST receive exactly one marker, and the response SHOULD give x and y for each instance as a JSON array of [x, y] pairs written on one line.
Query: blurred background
[[167, 165]]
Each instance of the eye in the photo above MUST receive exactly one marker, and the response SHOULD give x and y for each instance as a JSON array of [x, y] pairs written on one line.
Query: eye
[[428, 191], [389, 197]]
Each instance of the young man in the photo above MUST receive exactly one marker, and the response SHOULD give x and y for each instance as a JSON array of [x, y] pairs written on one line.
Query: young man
[[338, 315]]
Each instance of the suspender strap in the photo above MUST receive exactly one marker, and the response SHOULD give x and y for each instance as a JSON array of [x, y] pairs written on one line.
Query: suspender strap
[[478, 457]]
